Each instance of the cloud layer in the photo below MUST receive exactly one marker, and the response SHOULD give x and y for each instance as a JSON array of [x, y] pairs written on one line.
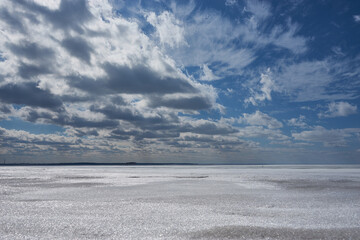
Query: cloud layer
[[169, 80]]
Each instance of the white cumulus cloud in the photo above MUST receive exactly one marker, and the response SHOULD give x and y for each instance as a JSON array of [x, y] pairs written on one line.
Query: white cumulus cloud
[[264, 93], [298, 122], [357, 18], [168, 28], [339, 109], [260, 119], [328, 137], [208, 74]]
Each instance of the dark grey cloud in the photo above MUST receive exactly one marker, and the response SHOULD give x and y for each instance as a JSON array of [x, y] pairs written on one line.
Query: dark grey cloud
[[31, 51], [5, 109], [158, 122], [63, 118], [171, 127], [164, 125], [117, 100], [81, 133], [113, 112], [33, 115], [208, 128], [181, 143], [205, 139], [28, 71], [80, 122], [120, 137], [157, 134], [136, 80], [209, 139], [186, 103], [72, 98], [28, 94], [70, 15], [141, 79], [16, 140], [119, 119], [178, 144], [15, 22], [123, 134], [10, 139], [140, 135], [78, 47], [88, 85]]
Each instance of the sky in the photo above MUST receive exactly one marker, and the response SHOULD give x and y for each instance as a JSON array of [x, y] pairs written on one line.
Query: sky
[[215, 81]]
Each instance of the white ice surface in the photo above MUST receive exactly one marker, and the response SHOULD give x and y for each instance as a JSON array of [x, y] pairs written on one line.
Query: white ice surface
[[179, 202]]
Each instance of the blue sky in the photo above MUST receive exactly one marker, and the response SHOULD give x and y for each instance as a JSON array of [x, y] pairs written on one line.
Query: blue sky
[[180, 81]]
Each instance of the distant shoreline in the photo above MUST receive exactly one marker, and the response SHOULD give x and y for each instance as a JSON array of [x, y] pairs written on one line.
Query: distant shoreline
[[91, 164], [176, 164]]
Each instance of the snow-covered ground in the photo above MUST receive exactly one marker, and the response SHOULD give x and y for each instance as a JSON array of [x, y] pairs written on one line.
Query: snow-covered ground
[[179, 202]]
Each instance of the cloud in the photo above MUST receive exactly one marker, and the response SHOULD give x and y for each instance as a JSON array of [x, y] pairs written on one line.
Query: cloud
[[357, 18], [13, 22], [339, 109], [329, 137], [29, 94], [70, 15], [51, 4], [298, 122], [185, 103], [208, 37], [317, 80], [27, 71], [305, 81], [6, 108], [204, 42], [168, 28], [208, 75], [78, 48], [81, 122], [262, 133], [221, 143], [264, 93], [138, 79], [230, 2], [134, 116], [6, 111], [260, 119], [288, 38], [206, 127], [67, 117], [260, 9], [338, 51], [141, 79], [31, 51], [98, 75], [27, 145]]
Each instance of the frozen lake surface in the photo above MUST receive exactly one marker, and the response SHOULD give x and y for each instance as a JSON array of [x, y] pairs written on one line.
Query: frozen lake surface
[[179, 202]]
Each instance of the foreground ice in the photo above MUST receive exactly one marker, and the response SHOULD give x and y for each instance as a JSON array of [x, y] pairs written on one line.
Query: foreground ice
[[179, 202]]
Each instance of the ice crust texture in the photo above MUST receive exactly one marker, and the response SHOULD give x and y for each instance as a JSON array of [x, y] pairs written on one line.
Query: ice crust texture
[[179, 202]]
